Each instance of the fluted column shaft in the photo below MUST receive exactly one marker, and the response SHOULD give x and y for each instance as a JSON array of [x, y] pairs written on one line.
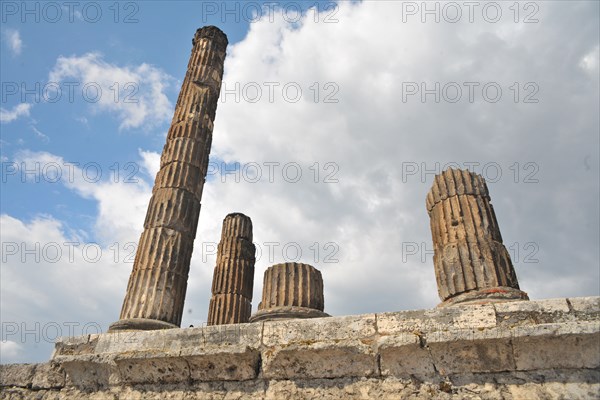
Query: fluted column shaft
[[291, 290], [471, 263], [233, 278], [157, 285]]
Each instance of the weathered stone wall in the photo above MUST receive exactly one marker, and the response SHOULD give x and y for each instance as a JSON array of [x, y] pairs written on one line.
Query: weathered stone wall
[[547, 349]]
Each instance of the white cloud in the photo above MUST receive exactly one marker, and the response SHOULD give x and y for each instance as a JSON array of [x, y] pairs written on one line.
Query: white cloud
[[590, 62], [136, 94], [20, 110], [150, 162], [12, 38], [122, 202], [42, 136], [373, 135], [9, 350], [83, 120], [53, 278]]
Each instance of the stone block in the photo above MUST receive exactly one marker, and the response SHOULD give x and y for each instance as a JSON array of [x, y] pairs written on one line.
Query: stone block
[[20, 375], [239, 364], [468, 316], [532, 312], [451, 354], [49, 375], [405, 355], [569, 345], [585, 306], [319, 360], [348, 328], [153, 369]]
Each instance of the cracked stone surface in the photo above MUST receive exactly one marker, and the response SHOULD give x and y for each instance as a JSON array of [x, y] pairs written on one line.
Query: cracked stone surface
[[547, 349]]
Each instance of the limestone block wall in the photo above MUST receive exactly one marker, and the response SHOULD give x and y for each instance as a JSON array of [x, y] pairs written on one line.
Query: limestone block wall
[[548, 349]]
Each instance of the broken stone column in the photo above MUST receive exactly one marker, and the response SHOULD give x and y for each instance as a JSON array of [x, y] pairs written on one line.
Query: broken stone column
[[291, 290], [233, 279], [471, 263], [158, 282]]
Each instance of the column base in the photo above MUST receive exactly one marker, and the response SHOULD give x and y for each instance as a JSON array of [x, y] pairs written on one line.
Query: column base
[[140, 324], [287, 313], [484, 296]]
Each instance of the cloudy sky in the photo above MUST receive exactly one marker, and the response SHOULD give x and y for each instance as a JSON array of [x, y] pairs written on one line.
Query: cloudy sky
[[333, 120]]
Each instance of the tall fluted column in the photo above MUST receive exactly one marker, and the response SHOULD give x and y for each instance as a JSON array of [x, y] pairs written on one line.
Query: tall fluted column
[[158, 282], [291, 290], [471, 263], [233, 279]]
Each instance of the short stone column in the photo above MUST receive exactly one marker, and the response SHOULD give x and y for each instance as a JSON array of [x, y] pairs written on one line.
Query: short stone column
[[233, 279], [471, 263], [291, 290], [158, 282]]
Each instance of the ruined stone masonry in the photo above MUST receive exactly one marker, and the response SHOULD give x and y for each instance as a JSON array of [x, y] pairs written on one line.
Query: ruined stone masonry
[[158, 282], [291, 290], [471, 263], [233, 279], [523, 350]]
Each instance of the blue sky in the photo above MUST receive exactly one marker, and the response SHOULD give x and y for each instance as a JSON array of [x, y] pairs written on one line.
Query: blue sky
[[144, 33], [377, 115], [120, 34]]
